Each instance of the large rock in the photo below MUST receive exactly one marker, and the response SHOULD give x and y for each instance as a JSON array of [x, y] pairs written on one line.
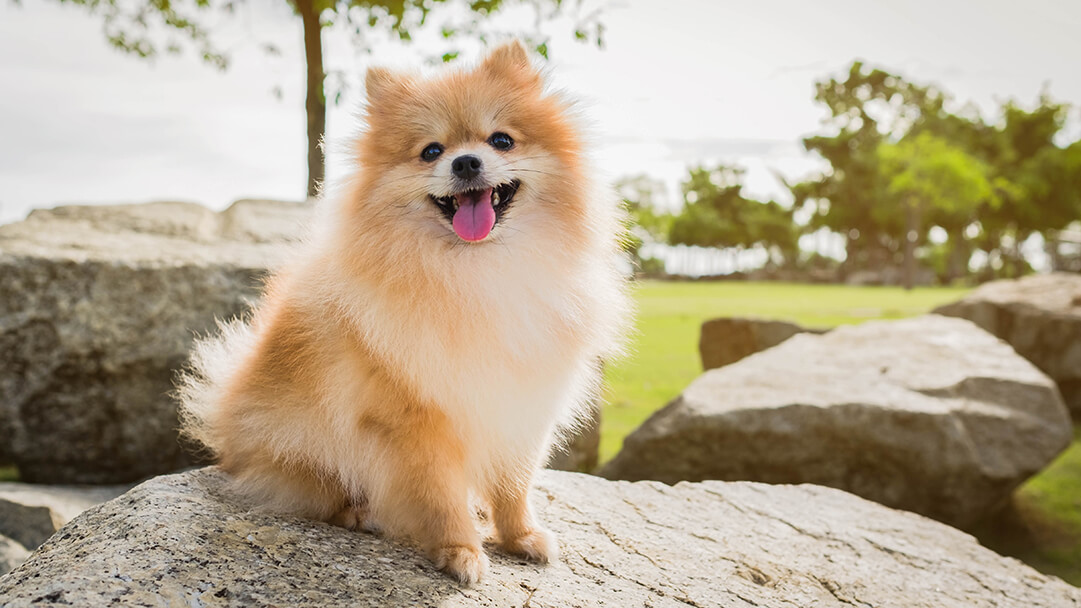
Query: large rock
[[98, 307], [581, 450], [11, 554], [1040, 316], [30, 514], [930, 414], [729, 339], [185, 540]]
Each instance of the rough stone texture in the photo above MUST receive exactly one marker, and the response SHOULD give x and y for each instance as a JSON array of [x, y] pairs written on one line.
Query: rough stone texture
[[727, 340], [11, 554], [183, 540], [582, 449], [98, 307], [930, 414], [30, 514], [1040, 316]]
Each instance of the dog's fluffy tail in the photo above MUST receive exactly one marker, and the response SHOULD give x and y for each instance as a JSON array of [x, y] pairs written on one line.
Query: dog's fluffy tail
[[214, 359]]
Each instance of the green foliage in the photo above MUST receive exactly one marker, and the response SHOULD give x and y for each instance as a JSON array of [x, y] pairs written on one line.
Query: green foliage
[[716, 214], [146, 28], [893, 146], [932, 173], [642, 197], [128, 26]]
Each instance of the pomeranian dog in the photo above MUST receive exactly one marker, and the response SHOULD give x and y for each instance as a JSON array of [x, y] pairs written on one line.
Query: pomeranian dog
[[424, 349]]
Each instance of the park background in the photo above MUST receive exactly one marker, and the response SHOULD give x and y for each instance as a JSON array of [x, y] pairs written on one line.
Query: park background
[[753, 142]]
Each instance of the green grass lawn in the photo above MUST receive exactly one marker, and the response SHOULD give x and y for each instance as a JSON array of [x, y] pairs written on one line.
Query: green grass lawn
[[1042, 525]]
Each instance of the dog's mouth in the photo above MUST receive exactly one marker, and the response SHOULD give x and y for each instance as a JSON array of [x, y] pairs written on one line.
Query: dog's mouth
[[473, 213]]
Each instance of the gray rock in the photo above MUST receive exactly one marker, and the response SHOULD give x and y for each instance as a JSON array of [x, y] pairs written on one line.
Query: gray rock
[[581, 450], [98, 307], [727, 340], [1040, 316], [185, 540], [11, 554], [930, 414], [30, 514]]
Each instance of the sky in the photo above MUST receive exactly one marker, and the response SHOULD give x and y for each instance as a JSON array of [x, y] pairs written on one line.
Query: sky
[[677, 84]]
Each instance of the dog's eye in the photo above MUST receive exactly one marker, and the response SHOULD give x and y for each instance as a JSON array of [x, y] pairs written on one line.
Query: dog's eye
[[431, 152], [501, 141]]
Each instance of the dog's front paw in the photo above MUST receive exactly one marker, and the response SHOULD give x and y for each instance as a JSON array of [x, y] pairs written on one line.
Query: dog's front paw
[[465, 563], [538, 545]]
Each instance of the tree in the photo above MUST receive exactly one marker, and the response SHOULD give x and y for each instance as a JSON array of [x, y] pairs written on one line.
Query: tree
[[877, 117], [868, 107], [927, 173], [137, 26], [716, 214], [642, 198]]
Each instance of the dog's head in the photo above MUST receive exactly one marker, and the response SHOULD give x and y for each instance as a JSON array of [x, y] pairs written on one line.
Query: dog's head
[[471, 157]]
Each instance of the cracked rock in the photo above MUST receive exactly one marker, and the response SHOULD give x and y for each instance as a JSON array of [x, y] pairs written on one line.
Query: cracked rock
[[187, 540], [1040, 316], [930, 414]]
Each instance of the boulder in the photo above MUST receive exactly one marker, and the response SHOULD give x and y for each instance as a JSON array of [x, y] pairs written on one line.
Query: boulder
[[1040, 316], [30, 514], [930, 414], [98, 307], [11, 554], [727, 340], [581, 449], [186, 540]]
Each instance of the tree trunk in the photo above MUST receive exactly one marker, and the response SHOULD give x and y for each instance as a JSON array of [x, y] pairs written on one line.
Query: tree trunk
[[959, 254], [316, 104], [911, 233]]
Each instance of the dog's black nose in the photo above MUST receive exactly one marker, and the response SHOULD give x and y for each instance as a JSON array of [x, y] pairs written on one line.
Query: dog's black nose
[[466, 166]]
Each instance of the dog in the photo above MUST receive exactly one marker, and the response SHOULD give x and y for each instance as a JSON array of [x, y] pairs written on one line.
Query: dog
[[428, 346]]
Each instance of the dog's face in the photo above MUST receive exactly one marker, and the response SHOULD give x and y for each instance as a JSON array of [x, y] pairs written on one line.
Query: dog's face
[[469, 158]]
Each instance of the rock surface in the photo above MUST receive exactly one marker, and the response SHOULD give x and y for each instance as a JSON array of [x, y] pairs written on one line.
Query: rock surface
[[184, 540], [11, 554], [30, 514], [98, 307], [1040, 316], [727, 340], [930, 414]]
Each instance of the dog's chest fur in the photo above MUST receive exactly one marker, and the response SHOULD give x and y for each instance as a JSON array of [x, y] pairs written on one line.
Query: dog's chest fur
[[507, 360]]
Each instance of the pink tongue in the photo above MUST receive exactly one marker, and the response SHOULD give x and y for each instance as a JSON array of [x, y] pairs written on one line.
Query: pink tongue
[[475, 216]]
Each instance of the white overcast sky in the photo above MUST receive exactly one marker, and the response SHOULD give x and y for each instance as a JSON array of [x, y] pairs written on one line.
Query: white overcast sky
[[680, 82]]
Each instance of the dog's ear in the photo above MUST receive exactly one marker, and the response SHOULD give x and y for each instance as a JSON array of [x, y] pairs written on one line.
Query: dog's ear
[[381, 84], [511, 60]]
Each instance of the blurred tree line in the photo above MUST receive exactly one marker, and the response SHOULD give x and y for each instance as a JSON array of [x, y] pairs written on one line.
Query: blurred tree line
[[901, 165]]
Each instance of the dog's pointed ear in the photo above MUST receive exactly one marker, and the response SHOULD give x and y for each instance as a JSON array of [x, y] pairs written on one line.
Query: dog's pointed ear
[[511, 60], [380, 84]]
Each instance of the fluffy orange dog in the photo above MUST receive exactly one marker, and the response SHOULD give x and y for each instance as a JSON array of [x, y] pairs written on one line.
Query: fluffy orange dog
[[425, 350]]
